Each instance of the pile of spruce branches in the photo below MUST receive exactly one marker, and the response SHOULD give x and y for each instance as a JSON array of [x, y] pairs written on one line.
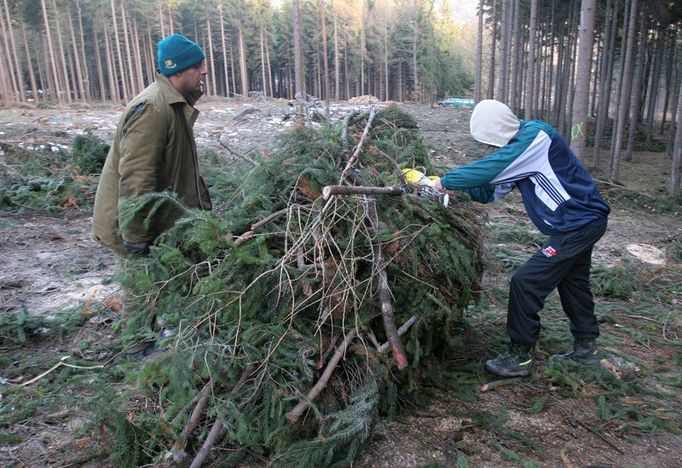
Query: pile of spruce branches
[[293, 319]]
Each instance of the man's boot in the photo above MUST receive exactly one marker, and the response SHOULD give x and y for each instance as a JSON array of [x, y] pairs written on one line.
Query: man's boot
[[514, 362], [584, 352]]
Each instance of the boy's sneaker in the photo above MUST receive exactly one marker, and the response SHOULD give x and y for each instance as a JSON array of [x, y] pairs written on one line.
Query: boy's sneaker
[[516, 361], [584, 352]]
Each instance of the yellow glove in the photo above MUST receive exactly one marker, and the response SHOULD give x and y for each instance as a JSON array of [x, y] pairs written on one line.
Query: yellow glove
[[415, 177]]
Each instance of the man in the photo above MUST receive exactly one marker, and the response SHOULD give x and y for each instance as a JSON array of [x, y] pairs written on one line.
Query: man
[[154, 151], [562, 200]]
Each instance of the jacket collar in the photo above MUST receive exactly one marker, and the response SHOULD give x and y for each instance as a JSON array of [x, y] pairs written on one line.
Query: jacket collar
[[172, 95]]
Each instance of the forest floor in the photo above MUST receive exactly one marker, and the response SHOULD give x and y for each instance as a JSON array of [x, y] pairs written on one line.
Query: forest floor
[[561, 416]]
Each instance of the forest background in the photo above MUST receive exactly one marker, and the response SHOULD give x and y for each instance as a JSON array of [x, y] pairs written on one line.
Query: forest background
[[617, 61]]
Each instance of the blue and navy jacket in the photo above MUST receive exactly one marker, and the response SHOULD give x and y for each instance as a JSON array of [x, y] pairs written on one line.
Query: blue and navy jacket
[[558, 193]]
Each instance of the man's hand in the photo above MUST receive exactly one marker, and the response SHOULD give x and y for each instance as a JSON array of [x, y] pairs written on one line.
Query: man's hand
[[137, 250]]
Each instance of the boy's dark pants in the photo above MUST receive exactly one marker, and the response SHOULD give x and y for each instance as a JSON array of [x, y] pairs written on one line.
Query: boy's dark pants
[[564, 263]]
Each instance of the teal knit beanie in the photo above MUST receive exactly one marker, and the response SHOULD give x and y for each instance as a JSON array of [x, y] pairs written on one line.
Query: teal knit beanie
[[177, 53]]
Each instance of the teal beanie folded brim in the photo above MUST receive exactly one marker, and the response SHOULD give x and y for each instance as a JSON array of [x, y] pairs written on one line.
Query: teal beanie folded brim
[[176, 53]]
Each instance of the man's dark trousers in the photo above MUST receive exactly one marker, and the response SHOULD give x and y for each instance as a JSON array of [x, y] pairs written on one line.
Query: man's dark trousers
[[563, 263]]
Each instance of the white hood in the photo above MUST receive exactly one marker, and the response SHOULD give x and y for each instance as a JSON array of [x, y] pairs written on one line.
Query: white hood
[[493, 123]]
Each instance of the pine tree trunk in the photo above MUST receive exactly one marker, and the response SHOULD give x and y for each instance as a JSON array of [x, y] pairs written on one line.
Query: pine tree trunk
[[478, 67], [211, 57], [98, 62], [10, 74], [493, 47], [582, 85], [614, 168], [243, 72], [386, 81], [362, 50], [337, 72], [262, 61], [84, 60], [267, 60], [548, 105], [668, 78], [114, 89], [325, 52], [171, 26], [139, 74], [5, 85], [654, 85], [151, 56], [121, 69], [569, 68], [676, 172], [531, 85], [162, 21], [516, 56], [346, 79], [62, 56], [595, 82], [126, 39], [56, 88], [232, 67], [226, 77], [76, 55], [636, 94], [29, 63], [606, 76], [16, 68], [505, 36], [298, 50], [415, 70]]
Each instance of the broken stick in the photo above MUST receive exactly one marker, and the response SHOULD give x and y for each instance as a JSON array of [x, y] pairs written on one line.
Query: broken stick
[[293, 415], [401, 331], [384, 291], [330, 190]]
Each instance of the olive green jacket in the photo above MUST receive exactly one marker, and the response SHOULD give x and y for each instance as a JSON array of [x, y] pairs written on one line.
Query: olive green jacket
[[153, 151]]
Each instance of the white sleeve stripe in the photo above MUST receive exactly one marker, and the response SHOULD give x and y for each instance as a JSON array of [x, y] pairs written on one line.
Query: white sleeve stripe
[[549, 188]]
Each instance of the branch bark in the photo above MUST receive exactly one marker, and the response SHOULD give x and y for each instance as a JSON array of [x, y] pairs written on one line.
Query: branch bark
[[385, 292], [358, 149], [401, 331], [331, 190], [293, 415]]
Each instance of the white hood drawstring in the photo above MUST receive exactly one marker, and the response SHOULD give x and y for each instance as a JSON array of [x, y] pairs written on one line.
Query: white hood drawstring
[[493, 123]]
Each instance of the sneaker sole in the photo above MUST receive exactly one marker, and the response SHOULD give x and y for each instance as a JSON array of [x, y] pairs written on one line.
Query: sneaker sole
[[503, 373]]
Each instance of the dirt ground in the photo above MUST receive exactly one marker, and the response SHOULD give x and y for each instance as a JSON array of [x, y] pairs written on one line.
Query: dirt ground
[[50, 264]]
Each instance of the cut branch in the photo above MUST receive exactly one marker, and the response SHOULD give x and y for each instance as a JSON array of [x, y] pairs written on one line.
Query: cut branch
[[330, 190], [344, 131], [358, 149], [384, 291], [401, 331], [203, 396], [217, 432], [293, 415], [243, 238]]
